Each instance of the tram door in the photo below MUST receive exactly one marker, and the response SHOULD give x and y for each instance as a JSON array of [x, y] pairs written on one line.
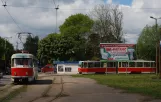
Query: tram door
[[105, 66], [117, 65]]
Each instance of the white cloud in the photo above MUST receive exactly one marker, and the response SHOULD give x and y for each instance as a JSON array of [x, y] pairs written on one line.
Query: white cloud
[[137, 16], [41, 21]]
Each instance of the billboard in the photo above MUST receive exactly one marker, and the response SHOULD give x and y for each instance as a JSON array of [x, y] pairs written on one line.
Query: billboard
[[117, 51]]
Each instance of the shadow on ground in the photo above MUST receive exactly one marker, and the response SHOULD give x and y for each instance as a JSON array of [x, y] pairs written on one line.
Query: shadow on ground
[[37, 82], [1, 85]]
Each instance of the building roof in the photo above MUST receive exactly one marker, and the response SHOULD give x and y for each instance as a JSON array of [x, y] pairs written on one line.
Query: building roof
[[65, 62]]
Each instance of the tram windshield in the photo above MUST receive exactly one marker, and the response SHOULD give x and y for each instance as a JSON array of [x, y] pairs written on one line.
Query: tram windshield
[[22, 62]]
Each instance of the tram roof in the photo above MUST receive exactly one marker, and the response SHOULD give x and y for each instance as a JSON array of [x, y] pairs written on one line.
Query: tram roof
[[119, 61], [126, 61], [22, 55]]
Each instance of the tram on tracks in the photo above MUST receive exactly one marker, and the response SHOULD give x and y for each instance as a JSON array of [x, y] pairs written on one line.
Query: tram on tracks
[[24, 67], [105, 66]]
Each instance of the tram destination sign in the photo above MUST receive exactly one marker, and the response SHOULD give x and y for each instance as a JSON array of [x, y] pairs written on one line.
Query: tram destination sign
[[117, 51]]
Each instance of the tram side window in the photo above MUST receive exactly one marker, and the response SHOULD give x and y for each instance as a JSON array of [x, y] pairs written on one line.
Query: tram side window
[[120, 64], [97, 64], [90, 64], [103, 64], [35, 63], [146, 64], [131, 64], [139, 64], [110, 64], [30, 63], [153, 64], [124, 64], [85, 65], [12, 63]]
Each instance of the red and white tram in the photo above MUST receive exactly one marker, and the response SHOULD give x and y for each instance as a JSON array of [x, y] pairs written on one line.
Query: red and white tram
[[23, 67], [104, 66]]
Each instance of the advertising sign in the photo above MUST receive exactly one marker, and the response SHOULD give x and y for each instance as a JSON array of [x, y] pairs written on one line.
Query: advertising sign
[[117, 51]]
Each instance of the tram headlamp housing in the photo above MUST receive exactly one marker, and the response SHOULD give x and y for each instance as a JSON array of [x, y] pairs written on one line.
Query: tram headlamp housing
[[15, 73], [26, 73]]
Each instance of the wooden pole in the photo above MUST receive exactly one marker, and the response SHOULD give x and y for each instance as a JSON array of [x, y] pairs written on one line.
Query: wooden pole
[[159, 60], [159, 52], [156, 58]]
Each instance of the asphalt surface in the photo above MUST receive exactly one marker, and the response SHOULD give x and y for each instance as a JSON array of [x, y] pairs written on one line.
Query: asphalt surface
[[5, 80], [65, 88]]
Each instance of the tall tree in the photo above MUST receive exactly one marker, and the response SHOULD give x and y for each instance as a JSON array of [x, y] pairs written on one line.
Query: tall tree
[[55, 47], [92, 47], [146, 44], [6, 48], [6, 51], [78, 27], [108, 23], [31, 44], [2, 49]]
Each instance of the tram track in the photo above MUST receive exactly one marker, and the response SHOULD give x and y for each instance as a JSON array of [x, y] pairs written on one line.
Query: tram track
[[13, 92], [46, 91], [44, 94], [6, 88], [61, 91]]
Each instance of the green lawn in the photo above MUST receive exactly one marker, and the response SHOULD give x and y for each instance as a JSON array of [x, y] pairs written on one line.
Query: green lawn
[[146, 84]]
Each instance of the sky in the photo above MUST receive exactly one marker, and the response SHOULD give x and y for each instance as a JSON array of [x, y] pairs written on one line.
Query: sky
[[39, 16]]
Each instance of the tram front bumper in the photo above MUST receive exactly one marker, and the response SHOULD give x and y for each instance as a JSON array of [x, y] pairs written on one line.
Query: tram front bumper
[[21, 77]]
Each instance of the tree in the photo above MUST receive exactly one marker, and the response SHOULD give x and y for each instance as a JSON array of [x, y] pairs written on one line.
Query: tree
[[146, 44], [108, 23], [2, 49], [31, 44], [8, 50], [55, 47], [5, 53], [77, 27], [92, 47]]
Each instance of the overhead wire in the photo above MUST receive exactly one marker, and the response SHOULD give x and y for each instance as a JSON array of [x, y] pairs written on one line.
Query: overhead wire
[[70, 9], [11, 15], [4, 4], [54, 3]]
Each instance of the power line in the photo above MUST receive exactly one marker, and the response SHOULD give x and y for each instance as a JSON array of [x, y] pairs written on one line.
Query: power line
[[10, 14], [54, 2], [70, 9]]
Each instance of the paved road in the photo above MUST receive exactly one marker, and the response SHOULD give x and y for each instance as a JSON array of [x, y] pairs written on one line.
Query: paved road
[[57, 88]]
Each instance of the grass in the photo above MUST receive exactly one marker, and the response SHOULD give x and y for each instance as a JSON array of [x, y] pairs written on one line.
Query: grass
[[146, 84]]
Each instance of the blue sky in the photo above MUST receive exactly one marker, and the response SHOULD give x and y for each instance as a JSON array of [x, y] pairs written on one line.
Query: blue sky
[[124, 2]]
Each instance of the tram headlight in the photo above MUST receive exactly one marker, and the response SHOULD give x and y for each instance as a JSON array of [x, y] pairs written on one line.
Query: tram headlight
[[26, 73], [15, 73]]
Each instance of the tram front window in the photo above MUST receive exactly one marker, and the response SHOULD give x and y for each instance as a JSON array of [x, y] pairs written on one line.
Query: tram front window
[[22, 62]]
